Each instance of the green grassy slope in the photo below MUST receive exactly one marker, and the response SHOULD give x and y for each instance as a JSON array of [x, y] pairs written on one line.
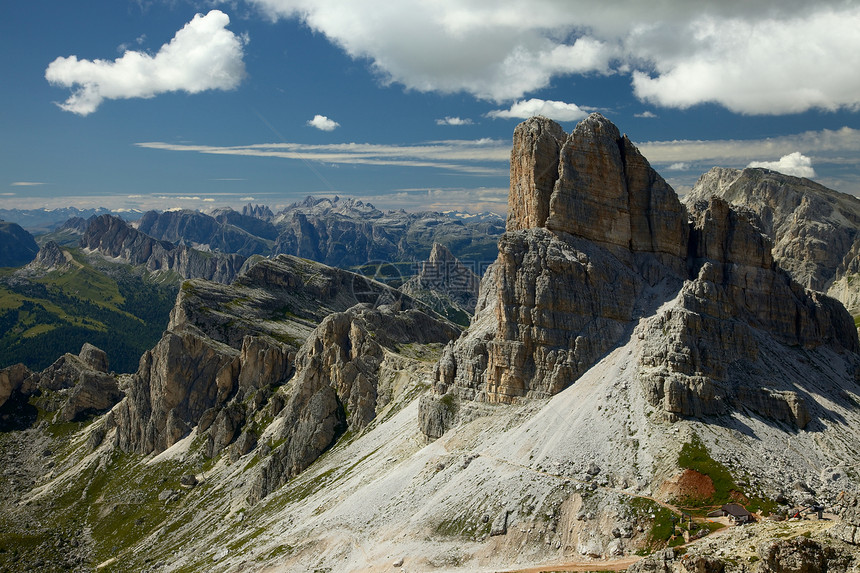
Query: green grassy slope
[[115, 307]]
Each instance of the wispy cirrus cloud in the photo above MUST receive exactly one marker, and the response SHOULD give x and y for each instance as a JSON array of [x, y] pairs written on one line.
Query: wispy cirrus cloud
[[476, 157], [466, 199], [824, 145], [27, 183]]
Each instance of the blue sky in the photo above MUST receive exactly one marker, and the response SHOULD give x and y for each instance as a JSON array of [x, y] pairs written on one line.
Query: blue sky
[[176, 103]]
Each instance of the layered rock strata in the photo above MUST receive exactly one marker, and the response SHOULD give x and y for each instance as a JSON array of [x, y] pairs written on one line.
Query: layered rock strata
[[813, 228], [228, 349], [582, 263], [339, 384], [112, 237]]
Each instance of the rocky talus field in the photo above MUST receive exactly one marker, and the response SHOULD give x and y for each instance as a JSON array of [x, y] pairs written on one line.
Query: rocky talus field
[[632, 364]]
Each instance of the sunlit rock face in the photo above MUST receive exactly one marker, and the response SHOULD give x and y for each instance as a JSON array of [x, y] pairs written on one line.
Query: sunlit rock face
[[813, 228], [596, 240]]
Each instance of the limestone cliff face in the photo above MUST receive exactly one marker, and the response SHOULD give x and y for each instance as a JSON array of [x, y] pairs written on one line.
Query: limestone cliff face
[[607, 193], [176, 382], [581, 265], [813, 228], [189, 379], [556, 312], [229, 348], [704, 354], [113, 237], [80, 384], [534, 171], [338, 383], [572, 264]]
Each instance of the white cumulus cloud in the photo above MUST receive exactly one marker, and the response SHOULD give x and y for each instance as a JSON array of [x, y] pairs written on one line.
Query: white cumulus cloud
[[454, 121], [763, 57], [557, 110], [203, 55], [795, 164], [323, 123], [768, 66], [679, 166]]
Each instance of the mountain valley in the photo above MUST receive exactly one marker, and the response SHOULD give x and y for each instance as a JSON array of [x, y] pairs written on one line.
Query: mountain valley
[[575, 388]]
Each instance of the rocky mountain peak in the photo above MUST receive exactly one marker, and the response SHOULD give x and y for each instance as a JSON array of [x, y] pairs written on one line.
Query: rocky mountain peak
[[50, 257], [258, 211], [445, 284], [595, 241], [439, 253], [813, 228], [593, 184], [534, 170]]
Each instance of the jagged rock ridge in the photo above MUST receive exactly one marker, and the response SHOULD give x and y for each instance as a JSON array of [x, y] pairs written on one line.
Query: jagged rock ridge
[[813, 228], [227, 231], [580, 264], [228, 349], [113, 237], [339, 383]]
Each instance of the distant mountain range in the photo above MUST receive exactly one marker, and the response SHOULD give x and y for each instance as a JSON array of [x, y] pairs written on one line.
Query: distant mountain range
[[632, 363], [46, 220], [340, 233]]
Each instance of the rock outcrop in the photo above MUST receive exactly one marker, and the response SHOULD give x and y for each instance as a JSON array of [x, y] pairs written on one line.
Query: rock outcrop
[[795, 555], [177, 381], [229, 347], [584, 261], [51, 257], [338, 383], [82, 383], [112, 237], [701, 353], [12, 379], [814, 229], [848, 529]]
